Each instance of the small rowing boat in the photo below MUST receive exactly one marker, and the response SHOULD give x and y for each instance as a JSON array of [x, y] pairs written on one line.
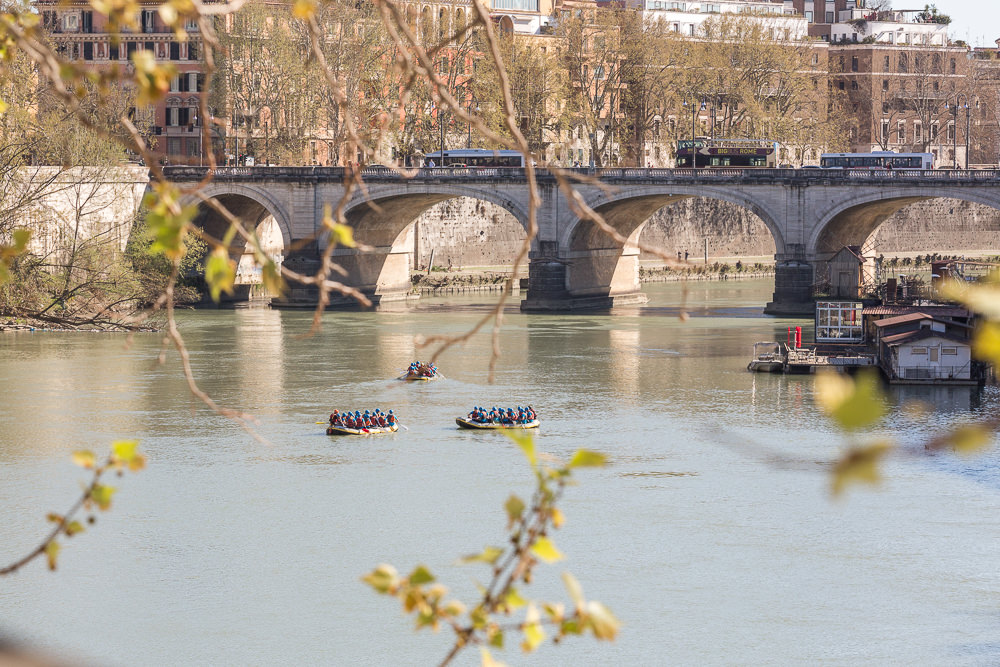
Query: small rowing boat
[[343, 430], [468, 423]]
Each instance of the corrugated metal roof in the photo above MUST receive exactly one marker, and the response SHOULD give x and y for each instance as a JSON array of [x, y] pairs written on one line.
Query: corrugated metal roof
[[934, 311], [903, 319], [920, 334]]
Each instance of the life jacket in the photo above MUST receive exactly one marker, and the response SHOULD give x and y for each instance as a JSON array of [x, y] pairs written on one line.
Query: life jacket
[[381, 420], [391, 419]]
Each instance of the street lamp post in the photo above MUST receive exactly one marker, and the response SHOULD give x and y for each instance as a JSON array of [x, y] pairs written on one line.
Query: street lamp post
[[954, 129], [695, 107]]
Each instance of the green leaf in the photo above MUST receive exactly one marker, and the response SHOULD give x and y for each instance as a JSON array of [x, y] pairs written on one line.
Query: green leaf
[[383, 578], [52, 553], [21, 238], [496, 639], [546, 550], [220, 274], [602, 622], [514, 507], [488, 555], [853, 403], [587, 459], [101, 494], [84, 458], [859, 466], [574, 589], [421, 575]]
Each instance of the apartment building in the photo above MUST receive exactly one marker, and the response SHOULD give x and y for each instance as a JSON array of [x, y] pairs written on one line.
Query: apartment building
[[81, 34], [906, 98], [687, 17]]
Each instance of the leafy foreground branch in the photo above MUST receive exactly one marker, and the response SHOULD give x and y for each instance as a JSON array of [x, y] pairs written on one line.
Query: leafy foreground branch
[[124, 454], [528, 543], [857, 404]]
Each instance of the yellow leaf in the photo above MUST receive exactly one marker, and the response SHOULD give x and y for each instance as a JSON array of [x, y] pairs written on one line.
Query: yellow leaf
[[557, 517], [420, 575], [513, 600], [73, 528], [602, 622], [574, 589], [526, 442], [859, 465], [84, 458], [970, 439], [488, 555], [986, 344], [271, 277], [488, 660], [304, 9], [852, 403], [52, 553], [546, 550], [342, 235], [124, 450], [532, 629], [584, 458], [383, 578]]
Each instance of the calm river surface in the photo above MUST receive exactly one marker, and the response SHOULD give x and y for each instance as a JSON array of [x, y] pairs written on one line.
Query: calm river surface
[[709, 547]]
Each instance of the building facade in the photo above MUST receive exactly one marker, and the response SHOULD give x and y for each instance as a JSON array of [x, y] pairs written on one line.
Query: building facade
[[82, 35]]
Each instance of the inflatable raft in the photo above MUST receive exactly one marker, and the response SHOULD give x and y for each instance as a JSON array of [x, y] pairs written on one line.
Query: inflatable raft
[[468, 423], [419, 378], [343, 430]]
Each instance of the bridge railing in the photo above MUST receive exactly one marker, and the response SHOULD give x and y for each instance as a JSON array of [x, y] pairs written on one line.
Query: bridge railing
[[614, 175]]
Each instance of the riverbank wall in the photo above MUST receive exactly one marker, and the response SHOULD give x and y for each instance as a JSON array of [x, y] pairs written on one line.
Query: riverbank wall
[[467, 232]]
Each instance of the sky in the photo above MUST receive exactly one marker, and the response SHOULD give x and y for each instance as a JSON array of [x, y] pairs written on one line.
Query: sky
[[975, 21]]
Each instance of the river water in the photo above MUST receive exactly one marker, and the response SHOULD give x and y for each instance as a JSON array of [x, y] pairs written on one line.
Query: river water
[[712, 534]]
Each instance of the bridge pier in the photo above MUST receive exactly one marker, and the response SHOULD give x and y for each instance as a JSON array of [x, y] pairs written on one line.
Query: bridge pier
[[587, 280], [793, 281]]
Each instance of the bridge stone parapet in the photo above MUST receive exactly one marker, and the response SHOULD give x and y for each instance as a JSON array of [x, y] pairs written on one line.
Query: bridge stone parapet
[[811, 213]]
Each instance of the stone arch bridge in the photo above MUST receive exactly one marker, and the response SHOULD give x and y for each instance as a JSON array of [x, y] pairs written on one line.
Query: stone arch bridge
[[811, 213]]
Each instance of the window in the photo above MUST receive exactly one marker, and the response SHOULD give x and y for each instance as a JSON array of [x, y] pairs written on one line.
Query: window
[[854, 85], [809, 17], [934, 131], [918, 351], [901, 132], [952, 65], [885, 84], [815, 59], [949, 350], [854, 63], [71, 22], [840, 84], [517, 5], [918, 133], [885, 130], [885, 65], [951, 132], [829, 17]]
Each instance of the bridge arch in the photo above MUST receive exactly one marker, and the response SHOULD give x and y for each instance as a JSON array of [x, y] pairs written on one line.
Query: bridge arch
[[851, 220], [383, 218], [251, 205], [601, 269]]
